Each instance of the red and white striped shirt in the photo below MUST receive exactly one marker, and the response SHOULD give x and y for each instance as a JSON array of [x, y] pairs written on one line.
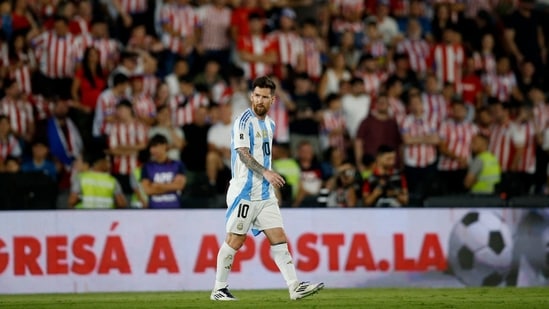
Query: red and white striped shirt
[[183, 108], [418, 51], [143, 106], [109, 49], [126, 134], [523, 136], [541, 116], [447, 61], [256, 45], [219, 92], [486, 62], [183, 20], [20, 114], [313, 58], [418, 155], [58, 55], [435, 107], [458, 138], [372, 83], [133, 6], [21, 71], [215, 23], [333, 120], [501, 145], [9, 147], [79, 25], [150, 84], [289, 47], [397, 110], [501, 85], [346, 6], [376, 48], [341, 25], [106, 106], [279, 114], [43, 107]]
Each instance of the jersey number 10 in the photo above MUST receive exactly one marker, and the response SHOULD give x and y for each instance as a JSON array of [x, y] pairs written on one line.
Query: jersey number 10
[[243, 210]]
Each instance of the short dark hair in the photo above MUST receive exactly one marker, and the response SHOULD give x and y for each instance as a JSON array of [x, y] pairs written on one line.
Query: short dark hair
[[158, 139], [383, 149], [12, 158], [485, 138], [356, 80], [391, 82], [185, 79], [255, 15], [119, 79], [457, 100], [124, 103], [94, 156], [309, 22], [331, 97], [367, 159], [40, 141], [264, 82], [59, 17]]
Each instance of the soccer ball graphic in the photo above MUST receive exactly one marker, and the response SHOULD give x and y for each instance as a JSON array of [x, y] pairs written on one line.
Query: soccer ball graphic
[[481, 249]]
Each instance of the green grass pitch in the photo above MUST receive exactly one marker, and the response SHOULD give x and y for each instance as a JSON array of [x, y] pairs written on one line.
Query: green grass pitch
[[483, 298]]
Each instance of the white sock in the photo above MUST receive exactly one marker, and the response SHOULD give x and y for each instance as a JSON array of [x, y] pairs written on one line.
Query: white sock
[[283, 260], [225, 258]]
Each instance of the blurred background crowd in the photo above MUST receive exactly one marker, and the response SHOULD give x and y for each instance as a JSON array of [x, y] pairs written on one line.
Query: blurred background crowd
[[379, 102]]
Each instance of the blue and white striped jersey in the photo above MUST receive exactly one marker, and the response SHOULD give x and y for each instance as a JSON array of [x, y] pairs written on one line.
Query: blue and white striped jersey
[[251, 132]]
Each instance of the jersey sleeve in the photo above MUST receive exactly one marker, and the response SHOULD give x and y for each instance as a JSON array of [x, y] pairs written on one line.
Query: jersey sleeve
[[241, 133]]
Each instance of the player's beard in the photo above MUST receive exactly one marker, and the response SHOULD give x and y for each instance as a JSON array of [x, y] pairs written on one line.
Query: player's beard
[[260, 110]]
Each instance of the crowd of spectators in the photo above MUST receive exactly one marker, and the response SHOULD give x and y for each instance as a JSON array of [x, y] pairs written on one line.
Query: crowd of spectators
[[378, 102]]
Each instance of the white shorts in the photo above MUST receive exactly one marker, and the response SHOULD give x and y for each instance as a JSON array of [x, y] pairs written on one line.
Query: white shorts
[[244, 215]]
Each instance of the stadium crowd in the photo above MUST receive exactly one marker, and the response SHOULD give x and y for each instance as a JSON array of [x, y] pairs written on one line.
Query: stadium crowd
[[379, 102]]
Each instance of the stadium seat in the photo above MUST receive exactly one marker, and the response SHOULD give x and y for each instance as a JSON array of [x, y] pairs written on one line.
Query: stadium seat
[[529, 201], [464, 201]]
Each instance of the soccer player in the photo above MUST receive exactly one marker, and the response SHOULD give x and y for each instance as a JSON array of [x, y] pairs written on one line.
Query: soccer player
[[162, 179], [251, 198]]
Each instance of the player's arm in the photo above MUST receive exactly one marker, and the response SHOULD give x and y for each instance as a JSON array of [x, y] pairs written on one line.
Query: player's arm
[[251, 163], [272, 177]]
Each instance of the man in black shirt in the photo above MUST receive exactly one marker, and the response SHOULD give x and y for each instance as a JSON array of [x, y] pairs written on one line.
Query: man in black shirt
[[524, 34], [304, 123]]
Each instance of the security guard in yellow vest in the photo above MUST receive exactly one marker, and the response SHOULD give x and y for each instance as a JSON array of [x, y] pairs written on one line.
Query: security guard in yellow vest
[[96, 188], [484, 171]]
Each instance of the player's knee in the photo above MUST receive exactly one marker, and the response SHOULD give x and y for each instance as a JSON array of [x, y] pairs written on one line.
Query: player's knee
[[235, 241], [276, 236]]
